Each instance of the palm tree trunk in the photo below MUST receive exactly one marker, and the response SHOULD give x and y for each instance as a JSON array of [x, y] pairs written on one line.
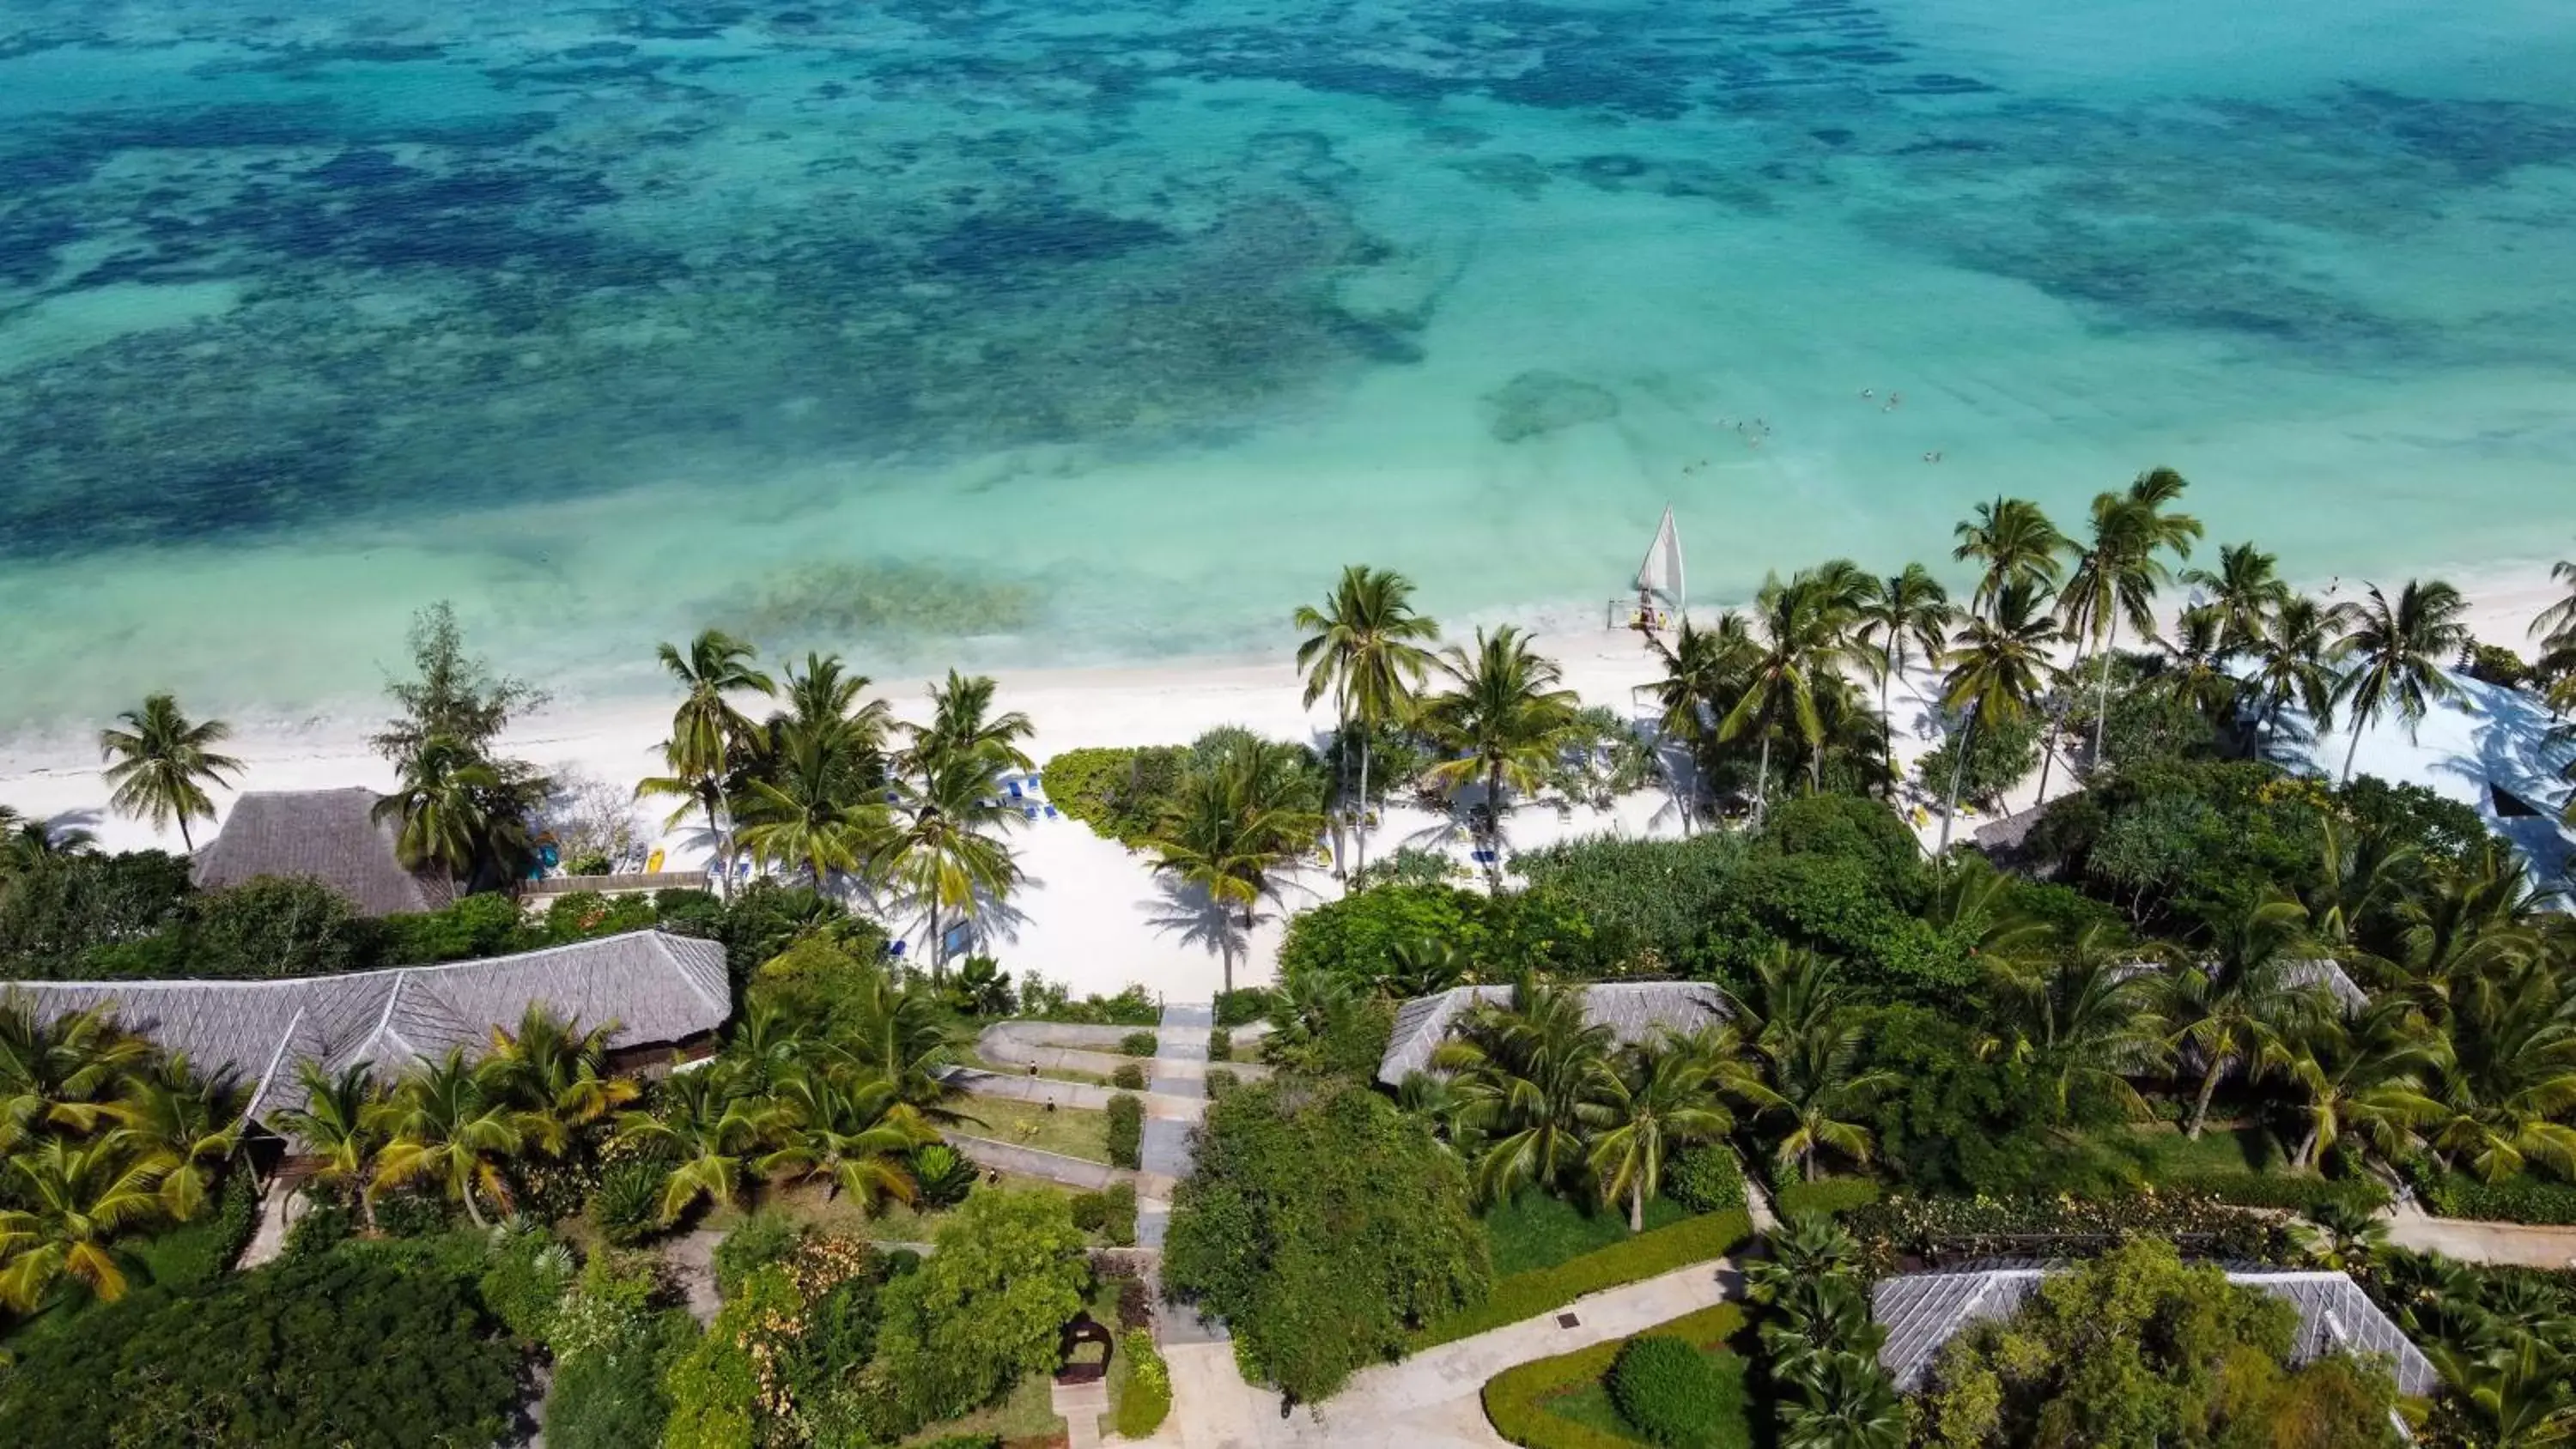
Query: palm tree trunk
[[1958, 776], [1762, 778], [2102, 693], [1887, 727], [2208, 1089], [471, 1211], [2307, 1150], [186, 843], [2357, 721], [938, 957], [1494, 830], [1637, 1204], [724, 846], [1359, 825]]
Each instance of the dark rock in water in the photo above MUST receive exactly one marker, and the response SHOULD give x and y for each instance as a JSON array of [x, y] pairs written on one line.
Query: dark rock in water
[[1537, 403]]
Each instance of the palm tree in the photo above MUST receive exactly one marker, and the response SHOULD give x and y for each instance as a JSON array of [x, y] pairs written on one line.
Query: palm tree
[[2118, 576], [1535, 1079], [183, 1127], [2246, 589], [2291, 650], [2365, 1077], [1820, 1089], [2510, 1083], [60, 1075], [1799, 626], [556, 1074], [1903, 617], [1666, 1098], [163, 762], [445, 1124], [2016, 544], [440, 810], [2343, 1238], [711, 1124], [2469, 919], [808, 810], [964, 727], [332, 1127], [2394, 654], [1366, 647], [853, 1137], [709, 735], [1705, 672], [1501, 721], [2194, 673], [1236, 822], [945, 845], [1846, 1402], [72, 1200], [1425, 966], [899, 1035], [33, 844], [1998, 667], [2555, 626], [2238, 1006], [824, 703], [2090, 1026]]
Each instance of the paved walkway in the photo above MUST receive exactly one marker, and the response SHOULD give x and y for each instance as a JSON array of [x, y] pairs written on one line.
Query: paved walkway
[[1160, 1099], [2519, 1244], [1073, 1172], [1179, 1067], [1080, 1406], [1431, 1399]]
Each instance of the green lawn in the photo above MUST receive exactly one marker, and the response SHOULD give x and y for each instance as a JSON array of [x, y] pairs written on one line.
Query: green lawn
[[1539, 1230], [891, 1222], [1072, 1131], [1590, 1407], [1028, 1413], [1052, 1074], [2160, 1153]]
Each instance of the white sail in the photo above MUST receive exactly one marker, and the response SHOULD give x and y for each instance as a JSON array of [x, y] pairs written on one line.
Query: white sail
[[1661, 574]]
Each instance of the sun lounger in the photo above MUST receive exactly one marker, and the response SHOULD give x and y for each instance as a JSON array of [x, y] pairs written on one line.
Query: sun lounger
[[1031, 811], [1051, 815]]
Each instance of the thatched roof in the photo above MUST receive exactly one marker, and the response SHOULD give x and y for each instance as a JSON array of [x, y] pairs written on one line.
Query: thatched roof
[[2324, 971], [657, 988], [1635, 1011], [1923, 1311], [324, 835]]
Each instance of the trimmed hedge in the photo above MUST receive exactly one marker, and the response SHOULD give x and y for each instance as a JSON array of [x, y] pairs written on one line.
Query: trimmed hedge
[[1516, 1399], [2297, 1192], [1128, 1078], [1706, 1179], [1946, 1229], [1243, 1006], [1126, 1131], [1670, 1392], [1148, 1396], [1220, 1045], [2515, 1200], [1825, 1195], [1526, 1295], [1138, 1044]]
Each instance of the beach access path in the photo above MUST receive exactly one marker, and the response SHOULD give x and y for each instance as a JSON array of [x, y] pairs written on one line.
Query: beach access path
[[2524, 1245]]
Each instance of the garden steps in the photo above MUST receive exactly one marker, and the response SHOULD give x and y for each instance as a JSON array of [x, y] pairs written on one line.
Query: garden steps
[[1170, 1106], [1057, 1046], [1074, 1172]]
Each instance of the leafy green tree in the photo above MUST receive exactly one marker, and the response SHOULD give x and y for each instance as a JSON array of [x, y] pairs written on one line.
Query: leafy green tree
[[1236, 824], [1500, 721], [163, 762], [807, 811], [453, 695], [2365, 1078], [2117, 576], [2015, 545], [2393, 654], [2246, 589], [334, 1127], [1819, 1090], [963, 726], [945, 846], [2291, 649], [1367, 647], [459, 815], [986, 1309], [710, 737], [1799, 629]]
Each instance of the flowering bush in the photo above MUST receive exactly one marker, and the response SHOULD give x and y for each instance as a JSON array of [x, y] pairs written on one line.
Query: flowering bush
[[1948, 1229]]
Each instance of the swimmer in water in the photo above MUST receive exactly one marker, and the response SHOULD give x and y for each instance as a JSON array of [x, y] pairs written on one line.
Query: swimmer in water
[[1869, 392], [1895, 400]]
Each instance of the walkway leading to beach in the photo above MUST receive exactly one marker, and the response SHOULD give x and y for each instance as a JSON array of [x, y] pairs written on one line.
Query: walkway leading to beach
[[1178, 1072], [2514, 1244]]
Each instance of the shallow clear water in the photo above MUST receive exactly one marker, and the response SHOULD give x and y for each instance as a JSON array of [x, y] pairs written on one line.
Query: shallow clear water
[[1064, 332]]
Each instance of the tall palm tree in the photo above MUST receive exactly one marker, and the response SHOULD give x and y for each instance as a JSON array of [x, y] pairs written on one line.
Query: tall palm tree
[[439, 810], [808, 810], [2090, 1026], [1705, 672], [2509, 1087], [2118, 576], [72, 1201], [902, 1036], [1998, 667], [711, 1124], [31, 845], [2245, 588], [61, 1075], [163, 763], [1904, 617], [1821, 1091], [2194, 672], [2015, 544], [826, 703], [2291, 649], [182, 1125], [1501, 721], [2393, 655], [2464, 924], [1799, 627], [963, 727], [1845, 1401], [1664, 1098], [1368, 648], [2555, 626], [945, 846], [445, 1124], [2364, 1078], [1235, 824], [851, 1135], [332, 1128], [555, 1072], [1536, 1080], [2239, 1005], [709, 735]]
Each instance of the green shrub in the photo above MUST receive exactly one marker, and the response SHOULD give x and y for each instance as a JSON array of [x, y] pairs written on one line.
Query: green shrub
[[1120, 793], [1242, 1006], [628, 1204], [526, 1282], [943, 1174], [2495, 664], [1940, 1229], [1668, 1391], [1148, 1399], [1126, 1131], [1138, 1044], [1706, 1179], [199, 1252], [416, 1214], [1220, 1082], [2515, 1200], [767, 1236], [319, 1226], [1118, 1219], [1517, 1399], [1824, 1195], [2297, 1192], [1043, 1000], [1220, 1045], [611, 1397], [1128, 1078], [1526, 1295], [344, 1348]]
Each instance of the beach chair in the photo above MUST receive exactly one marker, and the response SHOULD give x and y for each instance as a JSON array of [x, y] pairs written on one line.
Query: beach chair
[[895, 949], [1014, 788], [1481, 857], [1051, 815], [1029, 811]]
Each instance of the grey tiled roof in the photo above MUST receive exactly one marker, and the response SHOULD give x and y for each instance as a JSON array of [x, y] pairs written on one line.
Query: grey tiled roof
[[657, 988], [1923, 1311], [325, 835], [1635, 1011], [2297, 975]]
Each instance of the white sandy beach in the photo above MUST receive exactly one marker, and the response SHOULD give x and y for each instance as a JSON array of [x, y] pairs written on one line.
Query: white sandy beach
[[1093, 916]]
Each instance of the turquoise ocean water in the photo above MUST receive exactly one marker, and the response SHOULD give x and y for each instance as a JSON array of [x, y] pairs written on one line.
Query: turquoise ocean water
[[1027, 333]]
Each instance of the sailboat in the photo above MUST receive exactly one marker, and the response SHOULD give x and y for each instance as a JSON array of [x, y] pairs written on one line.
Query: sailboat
[[1659, 579]]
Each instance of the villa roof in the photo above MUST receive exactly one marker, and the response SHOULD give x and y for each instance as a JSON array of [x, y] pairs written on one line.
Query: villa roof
[[326, 835], [2323, 971], [1923, 1311], [655, 987], [1635, 1011]]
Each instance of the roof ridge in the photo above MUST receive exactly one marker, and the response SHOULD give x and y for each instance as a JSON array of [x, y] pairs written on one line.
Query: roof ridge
[[661, 943]]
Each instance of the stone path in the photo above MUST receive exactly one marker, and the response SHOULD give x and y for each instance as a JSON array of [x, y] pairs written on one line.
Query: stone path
[[1073, 1172], [1179, 1067], [1432, 1399], [2521, 1244], [1080, 1406]]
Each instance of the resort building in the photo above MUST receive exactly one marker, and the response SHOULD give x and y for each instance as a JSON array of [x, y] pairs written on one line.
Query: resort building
[[1635, 1011], [1923, 1311], [330, 836], [660, 993]]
